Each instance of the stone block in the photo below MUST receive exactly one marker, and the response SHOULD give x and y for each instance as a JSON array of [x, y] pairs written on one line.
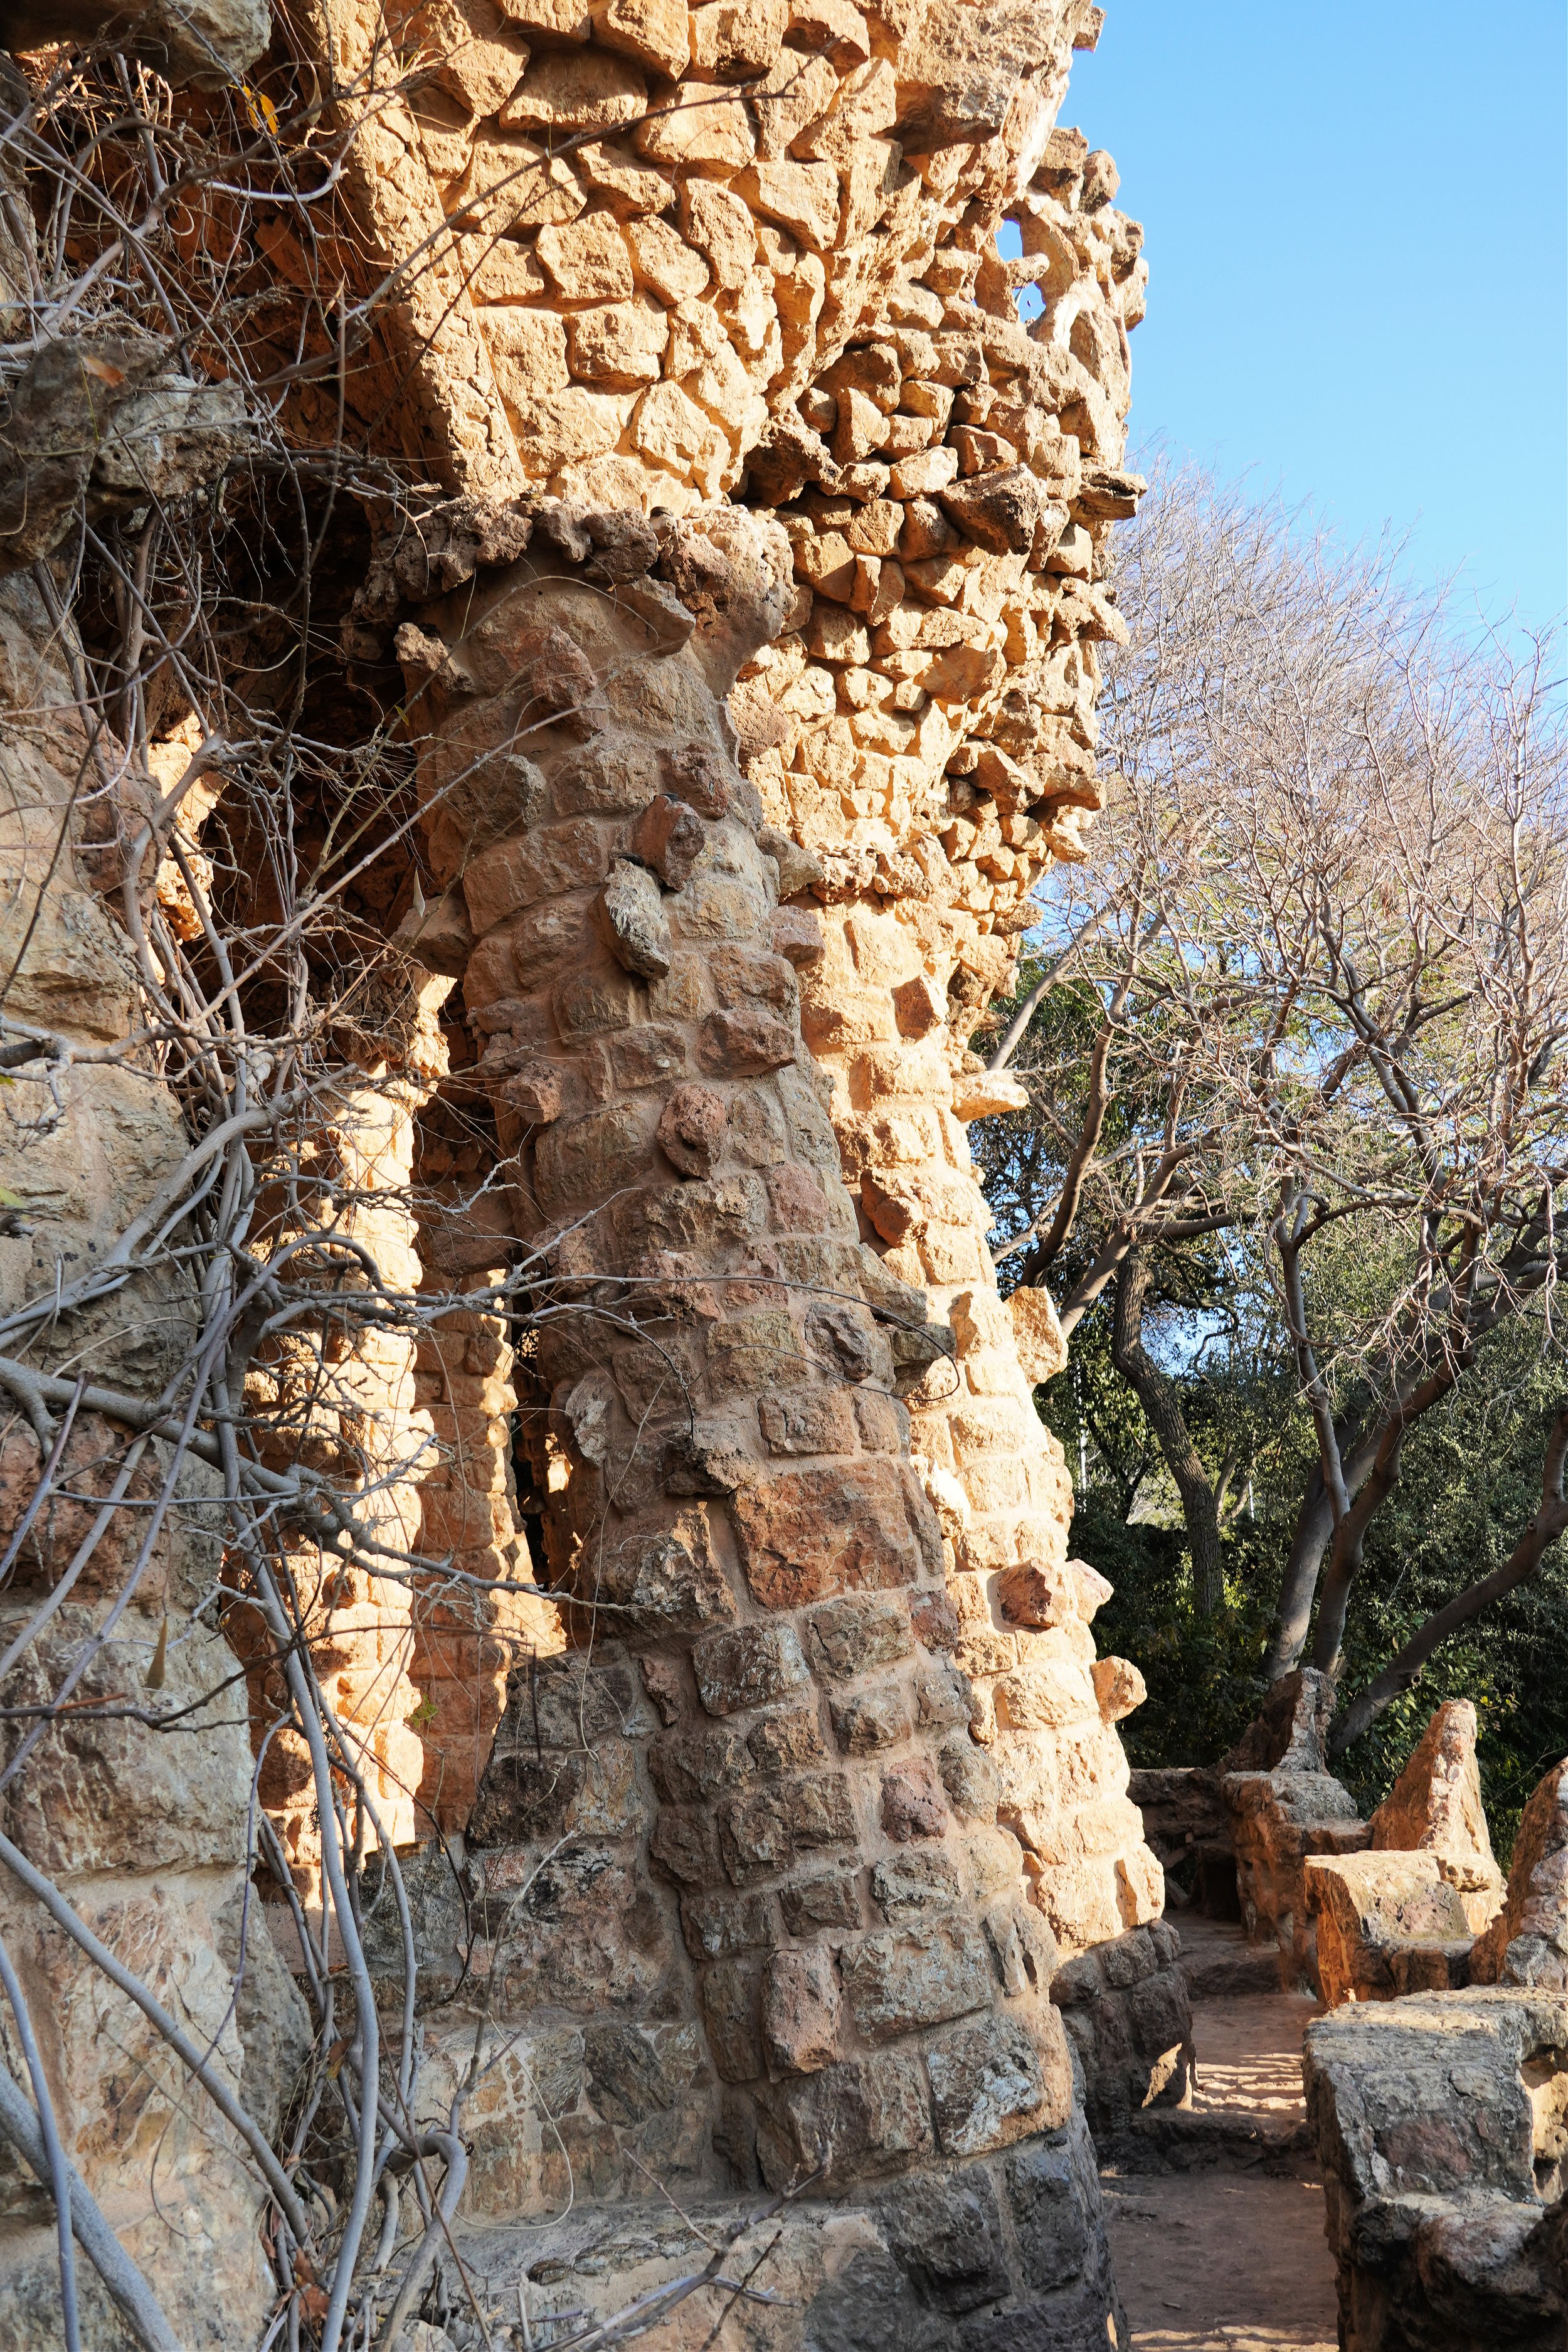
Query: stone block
[[665, 1581], [631, 919], [655, 32], [549, 860], [987, 2086], [611, 776], [912, 1887], [858, 1633], [1119, 1687], [730, 1993], [947, 2236], [743, 1043], [868, 1721], [860, 2116], [685, 1848], [587, 260], [754, 1353], [1387, 1924], [595, 1005], [788, 1742], [748, 1667], [686, 1768], [718, 1925], [934, 1620], [829, 1902], [897, 1982], [911, 1803], [1436, 1807], [973, 1783], [801, 2007], [761, 1834], [691, 1129], [1047, 2207], [810, 1533], [1527, 1944], [808, 1421]]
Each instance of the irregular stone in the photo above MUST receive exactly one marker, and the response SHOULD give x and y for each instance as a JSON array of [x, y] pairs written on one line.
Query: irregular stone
[[987, 2086], [1037, 1334], [748, 1667], [853, 1635], [1387, 1924], [1047, 2212], [910, 1887], [1119, 1687], [866, 1722], [1435, 1807], [691, 1129], [1527, 1943], [801, 2005], [563, 90], [859, 2116], [947, 2236], [631, 920], [814, 1903], [809, 1533]]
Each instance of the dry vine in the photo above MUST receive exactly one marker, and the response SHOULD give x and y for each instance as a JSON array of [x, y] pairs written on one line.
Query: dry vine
[[193, 298]]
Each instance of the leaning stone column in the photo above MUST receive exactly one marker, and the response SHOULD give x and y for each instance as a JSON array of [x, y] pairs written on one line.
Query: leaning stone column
[[731, 1803]]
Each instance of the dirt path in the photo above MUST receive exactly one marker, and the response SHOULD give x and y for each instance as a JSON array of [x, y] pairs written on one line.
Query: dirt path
[[1216, 2217]]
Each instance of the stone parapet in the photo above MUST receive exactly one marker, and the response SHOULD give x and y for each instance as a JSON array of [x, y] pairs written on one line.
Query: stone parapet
[[1387, 1924], [1441, 2126]]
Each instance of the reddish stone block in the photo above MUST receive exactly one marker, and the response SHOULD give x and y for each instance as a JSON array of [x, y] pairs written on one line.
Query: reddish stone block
[[897, 1982], [550, 859], [795, 1194], [730, 1994], [808, 1421], [853, 1635], [913, 1804], [787, 1742], [691, 1129], [683, 1846], [696, 774], [830, 1902], [669, 837], [742, 1044], [815, 1532], [934, 1619]]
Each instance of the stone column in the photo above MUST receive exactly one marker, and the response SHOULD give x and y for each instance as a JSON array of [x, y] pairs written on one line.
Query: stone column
[[736, 1800], [143, 1830]]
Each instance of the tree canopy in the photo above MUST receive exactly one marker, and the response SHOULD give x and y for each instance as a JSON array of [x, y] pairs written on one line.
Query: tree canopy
[[1295, 1162]]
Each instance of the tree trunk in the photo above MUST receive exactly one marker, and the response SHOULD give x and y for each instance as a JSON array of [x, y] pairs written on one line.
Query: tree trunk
[[1298, 1585], [1158, 1396]]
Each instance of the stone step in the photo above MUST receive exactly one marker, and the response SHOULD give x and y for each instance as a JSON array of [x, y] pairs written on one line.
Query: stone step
[[1227, 1971], [1179, 2140]]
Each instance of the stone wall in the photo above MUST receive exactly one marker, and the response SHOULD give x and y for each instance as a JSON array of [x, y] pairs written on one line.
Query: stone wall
[[144, 1836], [750, 668]]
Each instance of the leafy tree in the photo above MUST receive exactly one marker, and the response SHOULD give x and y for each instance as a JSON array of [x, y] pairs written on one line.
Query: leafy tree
[[1298, 1132]]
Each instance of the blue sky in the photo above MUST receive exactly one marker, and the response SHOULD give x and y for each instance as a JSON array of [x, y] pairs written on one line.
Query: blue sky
[[1354, 219]]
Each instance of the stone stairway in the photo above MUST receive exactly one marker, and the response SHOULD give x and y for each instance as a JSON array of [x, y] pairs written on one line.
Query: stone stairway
[[1215, 2211]]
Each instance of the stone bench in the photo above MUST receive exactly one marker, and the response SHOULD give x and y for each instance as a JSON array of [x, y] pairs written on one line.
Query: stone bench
[[1387, 1924], [1441, 2126]]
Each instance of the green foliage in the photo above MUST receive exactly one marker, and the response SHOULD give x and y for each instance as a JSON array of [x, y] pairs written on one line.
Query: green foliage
[[1470, 1480]]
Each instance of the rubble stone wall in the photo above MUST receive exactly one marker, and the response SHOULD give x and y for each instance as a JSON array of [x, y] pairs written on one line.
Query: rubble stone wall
[[752, 672]]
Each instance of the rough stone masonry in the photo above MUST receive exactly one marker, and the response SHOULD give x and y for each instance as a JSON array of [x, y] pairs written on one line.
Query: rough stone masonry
[[748, 635]]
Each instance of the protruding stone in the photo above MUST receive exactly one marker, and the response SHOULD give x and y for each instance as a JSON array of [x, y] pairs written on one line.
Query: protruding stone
[[691, 1129], [1527, 1943], [632, 919], [1435, 1807]]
